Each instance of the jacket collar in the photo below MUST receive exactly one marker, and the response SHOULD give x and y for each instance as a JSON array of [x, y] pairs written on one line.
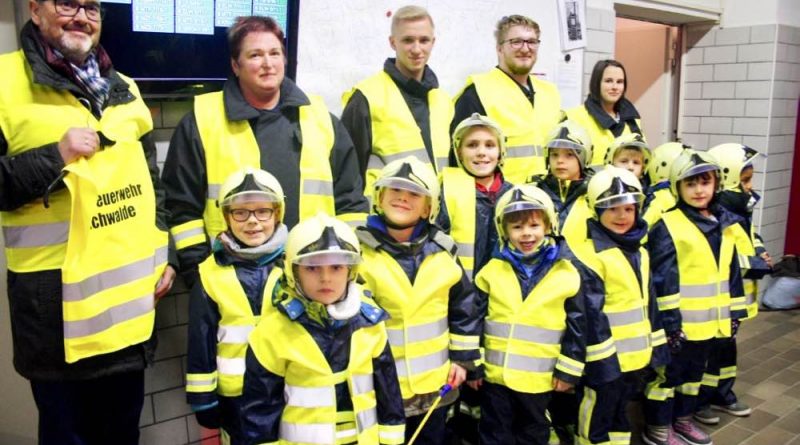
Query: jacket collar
[[722, 217], [237, 108], [626, 110], [604, 239], [411, 86]]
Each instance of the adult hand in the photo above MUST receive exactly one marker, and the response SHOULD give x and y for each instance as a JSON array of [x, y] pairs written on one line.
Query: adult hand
[[165, 282], [561, 386], [475, 384], [767, 259], [78, 142], [457, 375]]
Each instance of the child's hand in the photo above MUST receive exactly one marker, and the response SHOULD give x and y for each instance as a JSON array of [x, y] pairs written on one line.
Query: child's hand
[[457, 375], [475, 384], [561, 386], [768, 259]]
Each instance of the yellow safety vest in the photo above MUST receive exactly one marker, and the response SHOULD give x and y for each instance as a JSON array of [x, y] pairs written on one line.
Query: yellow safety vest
[[115, 253], [626, 304], [461, 204], [662, 201], [418, 326], [522, 339], [704, 298], [395, 133], [230, 146], [236, 322], [526, 127], [745, 248], [35, 115], [574, 230], [285, 348], [602, 138]]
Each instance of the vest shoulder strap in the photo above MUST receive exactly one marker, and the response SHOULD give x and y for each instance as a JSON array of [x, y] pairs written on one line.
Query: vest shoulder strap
[[446, 242]]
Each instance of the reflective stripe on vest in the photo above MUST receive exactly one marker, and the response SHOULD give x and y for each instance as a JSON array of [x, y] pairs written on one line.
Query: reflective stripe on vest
[[310, 414], [704, 296], [218, 134], [420, 345], [36, 236], [395, 133], [746, 248], [522, 339], [526, 127], [236, 322], [459, 197], [188, 234], [601, 138]]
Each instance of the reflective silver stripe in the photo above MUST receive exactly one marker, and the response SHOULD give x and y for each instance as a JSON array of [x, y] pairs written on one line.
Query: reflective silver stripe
[[362, 383], [230, 366], [566, 365], [396, 337], [375, 162], [309, 397], [316, 433], [520, 362], [366, 419], [113, 278], [466, 249], [704, 315], [233, 334], [419, 153], [110, 317], [36, 235], [421, 364], [703, 290], [599, 352], [749, 299], [188, 234], [213, 191], [201, 382], [441, 163], [522, 332], [418, 333], [627, 317], [317, 187], [633, 344], [523, 151], [463, 344]]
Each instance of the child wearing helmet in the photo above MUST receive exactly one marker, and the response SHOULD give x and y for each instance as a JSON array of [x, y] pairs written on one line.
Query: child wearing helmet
[[737, 196], [535, 337], [318, 367], [567, 156], [227, 302], [631, 152], [412, 270], [658, 197], [698, 288], [619, 277]]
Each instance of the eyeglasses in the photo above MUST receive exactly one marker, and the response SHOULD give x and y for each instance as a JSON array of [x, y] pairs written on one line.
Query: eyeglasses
[[242, 215], [70, 8], [517, 43]]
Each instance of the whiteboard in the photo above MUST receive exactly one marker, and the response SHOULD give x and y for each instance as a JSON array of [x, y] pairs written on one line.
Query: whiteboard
[[345, 41]]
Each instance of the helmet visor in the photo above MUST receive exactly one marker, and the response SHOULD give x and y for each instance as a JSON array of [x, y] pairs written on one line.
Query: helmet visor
[[521, 206], [328, 258], [250, 196], [698, 169], [618, 200], [563, 143], [394, 182]]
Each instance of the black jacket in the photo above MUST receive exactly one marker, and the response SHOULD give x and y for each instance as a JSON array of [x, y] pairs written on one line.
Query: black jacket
[[35, 297], [279, 140]]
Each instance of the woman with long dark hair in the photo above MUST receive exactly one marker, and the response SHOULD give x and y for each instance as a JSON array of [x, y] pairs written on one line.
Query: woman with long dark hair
[[606, 113]]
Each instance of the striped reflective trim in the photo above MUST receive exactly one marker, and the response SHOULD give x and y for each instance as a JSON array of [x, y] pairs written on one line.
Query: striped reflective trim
[[463, 342], [113, 278], [633, 344], [520, 362], [658, 338], [744, 261], [317, 187], [627, 317], [362, 383], [727, 372], [183, 239], [366, 419], [523, 332], [233, 334], [347, 432], [180, 231], [110, 317], [703, 290], [523, 151], [619, 437], [213, 191], [392, 434], [668, 302], [661, 394], [689, 388], [375, 162], [309, 396], [710, 380], [738, 304], [749, 299], [36, 235], [419, 153], [704, 315], [201, 382], [418, 365], [230, 366], [441, 163], [586, 407], [316, 433], [466, 249], [417, 333], [570, 366], [600, 351]]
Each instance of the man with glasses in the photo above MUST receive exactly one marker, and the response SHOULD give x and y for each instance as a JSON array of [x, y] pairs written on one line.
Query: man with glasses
[[525, 107], [57, 90], [401, 110]]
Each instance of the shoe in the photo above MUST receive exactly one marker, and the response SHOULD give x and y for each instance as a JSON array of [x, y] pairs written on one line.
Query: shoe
[[691, 433], [739, 409], [706, 416], [672, 438]]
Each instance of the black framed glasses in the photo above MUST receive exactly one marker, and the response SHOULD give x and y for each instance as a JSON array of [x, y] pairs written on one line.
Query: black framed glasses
[[70, 8], [517, 43], [242, 215]]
